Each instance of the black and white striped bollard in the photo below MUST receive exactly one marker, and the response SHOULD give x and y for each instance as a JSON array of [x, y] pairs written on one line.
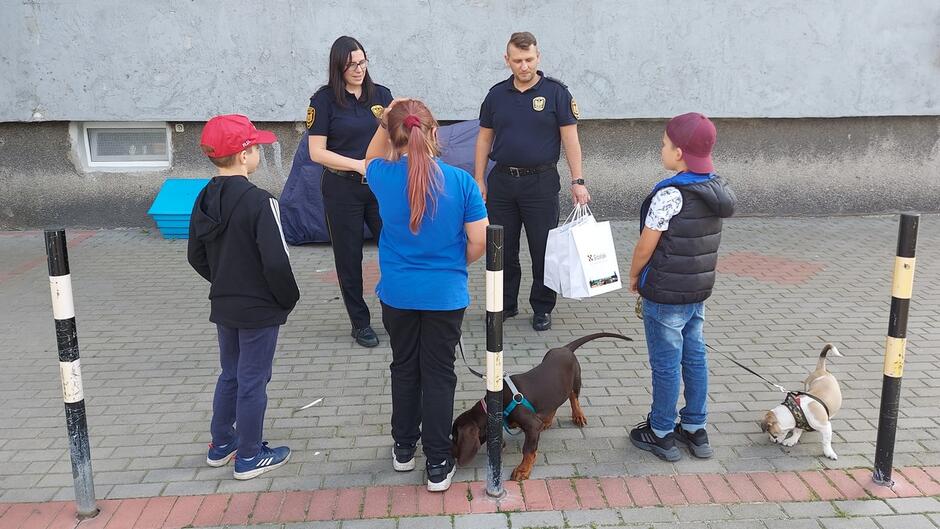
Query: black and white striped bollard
[[902, 286], [494, 361], [63, 309]]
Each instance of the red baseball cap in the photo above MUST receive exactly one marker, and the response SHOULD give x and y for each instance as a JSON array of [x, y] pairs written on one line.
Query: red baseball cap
[[231, 134], [695, 134]]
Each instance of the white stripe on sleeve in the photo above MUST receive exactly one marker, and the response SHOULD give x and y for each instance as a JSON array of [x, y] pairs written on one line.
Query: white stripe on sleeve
[[276, 210]]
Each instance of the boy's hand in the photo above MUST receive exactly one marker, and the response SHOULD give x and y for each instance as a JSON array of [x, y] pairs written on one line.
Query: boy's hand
[[634, 282]]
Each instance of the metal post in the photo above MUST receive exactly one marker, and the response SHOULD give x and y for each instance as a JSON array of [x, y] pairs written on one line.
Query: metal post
[[901, 288], [494, 360], [63, 310]]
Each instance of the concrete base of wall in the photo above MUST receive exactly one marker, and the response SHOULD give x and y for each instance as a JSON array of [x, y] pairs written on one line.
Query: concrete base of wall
[[780, 167]]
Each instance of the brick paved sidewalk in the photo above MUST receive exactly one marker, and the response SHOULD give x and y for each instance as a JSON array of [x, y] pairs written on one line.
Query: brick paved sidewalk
[[149, 362], [831, 498]]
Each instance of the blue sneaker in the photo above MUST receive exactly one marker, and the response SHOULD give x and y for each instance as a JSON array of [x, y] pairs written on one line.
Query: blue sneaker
[[266, 459], [220, 455]]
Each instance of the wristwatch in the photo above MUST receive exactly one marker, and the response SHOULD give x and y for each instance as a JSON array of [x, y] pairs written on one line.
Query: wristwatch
[[579, 181]]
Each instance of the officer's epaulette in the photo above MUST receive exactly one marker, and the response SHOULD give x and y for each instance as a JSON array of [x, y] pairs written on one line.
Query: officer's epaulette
[[499, 83], [322, 88], [377, 85], [557, 81]]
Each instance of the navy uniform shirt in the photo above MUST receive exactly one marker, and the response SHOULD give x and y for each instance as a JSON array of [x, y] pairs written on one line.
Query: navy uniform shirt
[[525, 124], [348, 129]]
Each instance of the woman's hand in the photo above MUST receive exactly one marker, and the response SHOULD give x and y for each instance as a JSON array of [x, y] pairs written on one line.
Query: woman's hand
[[360, 167]]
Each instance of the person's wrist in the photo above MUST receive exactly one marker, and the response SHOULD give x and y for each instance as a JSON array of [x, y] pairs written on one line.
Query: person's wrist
[[577, 181]]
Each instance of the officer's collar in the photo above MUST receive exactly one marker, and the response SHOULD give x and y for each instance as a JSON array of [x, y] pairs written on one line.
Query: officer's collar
[[512, 85]]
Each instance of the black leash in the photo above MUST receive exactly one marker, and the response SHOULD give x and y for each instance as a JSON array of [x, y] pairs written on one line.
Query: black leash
[[474, 371], [749, 370]]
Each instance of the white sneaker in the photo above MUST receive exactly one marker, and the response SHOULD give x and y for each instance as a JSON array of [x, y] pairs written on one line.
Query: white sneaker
[[403, 457], [440, 475]]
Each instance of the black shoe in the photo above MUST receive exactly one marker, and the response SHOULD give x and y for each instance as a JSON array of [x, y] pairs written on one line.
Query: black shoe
[[664, 448], [542, 321], [510, 314], [403, 457], [365, 337], [440, 474], [696, 442]]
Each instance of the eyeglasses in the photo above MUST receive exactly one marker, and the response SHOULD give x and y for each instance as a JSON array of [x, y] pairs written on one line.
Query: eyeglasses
[[361, 65]]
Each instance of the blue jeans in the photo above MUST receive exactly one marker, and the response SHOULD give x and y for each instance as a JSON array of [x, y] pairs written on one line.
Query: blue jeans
[[674, 340], [246, 356]]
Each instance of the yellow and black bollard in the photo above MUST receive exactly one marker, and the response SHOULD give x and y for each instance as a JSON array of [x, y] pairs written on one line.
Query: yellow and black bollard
[[901, 288]]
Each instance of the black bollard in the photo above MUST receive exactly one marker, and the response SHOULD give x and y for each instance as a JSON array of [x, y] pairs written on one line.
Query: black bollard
[[895, 346], [63, 310], [494, 361]]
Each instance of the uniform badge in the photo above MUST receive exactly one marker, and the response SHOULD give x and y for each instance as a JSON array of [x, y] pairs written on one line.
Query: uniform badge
[[377, 110], [574, 109], [311, 114], [538, 104]]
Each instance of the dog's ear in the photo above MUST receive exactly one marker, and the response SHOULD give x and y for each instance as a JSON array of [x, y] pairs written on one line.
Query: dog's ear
[[466, 443]]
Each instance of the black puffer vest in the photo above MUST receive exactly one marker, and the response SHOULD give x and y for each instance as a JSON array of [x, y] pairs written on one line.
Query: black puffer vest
[[682, 268]]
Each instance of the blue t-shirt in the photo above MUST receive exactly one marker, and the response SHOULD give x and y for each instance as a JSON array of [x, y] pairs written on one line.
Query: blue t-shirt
[[427, 270]]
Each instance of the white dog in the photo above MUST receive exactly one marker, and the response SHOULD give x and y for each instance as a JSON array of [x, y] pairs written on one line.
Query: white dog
[[808, 410]]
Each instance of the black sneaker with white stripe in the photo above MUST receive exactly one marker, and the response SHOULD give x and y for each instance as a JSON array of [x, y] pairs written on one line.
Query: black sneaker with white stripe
[[440, 475], [664, 448], [403, 457]]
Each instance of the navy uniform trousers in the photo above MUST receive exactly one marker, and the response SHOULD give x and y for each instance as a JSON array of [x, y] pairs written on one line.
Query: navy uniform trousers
[[530, 201], [349, 203]]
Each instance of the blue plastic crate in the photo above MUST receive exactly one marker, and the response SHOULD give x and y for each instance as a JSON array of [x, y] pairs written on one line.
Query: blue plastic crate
[[174, 204]]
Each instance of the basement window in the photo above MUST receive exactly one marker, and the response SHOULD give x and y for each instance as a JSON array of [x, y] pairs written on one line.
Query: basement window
[[126, 145]]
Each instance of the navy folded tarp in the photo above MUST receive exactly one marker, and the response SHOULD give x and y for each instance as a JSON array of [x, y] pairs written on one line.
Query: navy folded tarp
[[302, 217]]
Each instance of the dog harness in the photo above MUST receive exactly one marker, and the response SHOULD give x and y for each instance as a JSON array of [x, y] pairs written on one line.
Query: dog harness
[[792, 402], [517, 399]]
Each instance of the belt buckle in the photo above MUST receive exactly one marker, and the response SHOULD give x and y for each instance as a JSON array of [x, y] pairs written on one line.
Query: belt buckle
[[362, 180], [515, 171]]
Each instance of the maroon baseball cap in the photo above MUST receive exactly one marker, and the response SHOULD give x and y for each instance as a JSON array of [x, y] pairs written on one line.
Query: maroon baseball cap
[[231, 134], [695, 134]]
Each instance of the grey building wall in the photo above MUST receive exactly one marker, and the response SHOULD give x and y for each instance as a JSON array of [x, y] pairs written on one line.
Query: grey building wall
[[181, 60], [860, 77]]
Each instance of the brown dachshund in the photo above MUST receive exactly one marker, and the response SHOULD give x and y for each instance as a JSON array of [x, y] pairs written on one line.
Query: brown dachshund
[[546, 386]]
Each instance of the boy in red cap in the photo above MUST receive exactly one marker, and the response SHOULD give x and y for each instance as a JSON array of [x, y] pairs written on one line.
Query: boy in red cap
[[236, 243], [673, 270]]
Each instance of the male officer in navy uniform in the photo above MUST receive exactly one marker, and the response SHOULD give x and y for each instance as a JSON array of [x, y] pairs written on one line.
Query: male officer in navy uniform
[[524, 120]]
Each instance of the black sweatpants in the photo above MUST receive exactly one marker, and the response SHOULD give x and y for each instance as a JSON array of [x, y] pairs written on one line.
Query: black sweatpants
[[348, 205], [423, 377], [530, 201]]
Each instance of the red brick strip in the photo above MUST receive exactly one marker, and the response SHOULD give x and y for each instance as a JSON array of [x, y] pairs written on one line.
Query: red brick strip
[[173, 512]]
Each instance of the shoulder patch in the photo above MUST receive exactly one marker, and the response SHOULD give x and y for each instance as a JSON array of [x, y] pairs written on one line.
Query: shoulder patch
[[311, 115], [556, 81], [574, 109]]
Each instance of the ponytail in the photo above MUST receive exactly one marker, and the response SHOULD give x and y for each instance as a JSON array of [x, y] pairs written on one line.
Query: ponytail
[[424, 176], [411, 128]]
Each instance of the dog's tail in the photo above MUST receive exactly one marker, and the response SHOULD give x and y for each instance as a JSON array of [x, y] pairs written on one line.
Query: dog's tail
[[585, 339], [821, 364]]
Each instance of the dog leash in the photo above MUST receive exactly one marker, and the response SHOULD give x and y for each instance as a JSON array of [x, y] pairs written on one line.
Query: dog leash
[[638, 308], [474, 371]]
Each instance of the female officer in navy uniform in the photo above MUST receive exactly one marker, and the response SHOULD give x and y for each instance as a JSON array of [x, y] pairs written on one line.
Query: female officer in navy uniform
[[341, 121]]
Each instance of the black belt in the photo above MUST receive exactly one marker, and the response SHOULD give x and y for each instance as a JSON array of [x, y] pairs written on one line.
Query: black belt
[[524, 171], [349, 175]]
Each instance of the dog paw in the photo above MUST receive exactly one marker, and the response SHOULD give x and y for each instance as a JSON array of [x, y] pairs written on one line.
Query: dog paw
[[579, 420], [790, 441], [830, 453], [520, 474]]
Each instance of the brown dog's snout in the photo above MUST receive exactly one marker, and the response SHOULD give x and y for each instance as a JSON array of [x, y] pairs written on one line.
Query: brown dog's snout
[[466, 444]]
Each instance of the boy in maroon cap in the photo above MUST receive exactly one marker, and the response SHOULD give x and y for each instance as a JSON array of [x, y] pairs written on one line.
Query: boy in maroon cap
[[236, 243], [673, 270]]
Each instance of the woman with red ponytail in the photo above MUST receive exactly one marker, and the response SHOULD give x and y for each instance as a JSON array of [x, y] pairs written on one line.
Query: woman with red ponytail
[[433, 226]]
